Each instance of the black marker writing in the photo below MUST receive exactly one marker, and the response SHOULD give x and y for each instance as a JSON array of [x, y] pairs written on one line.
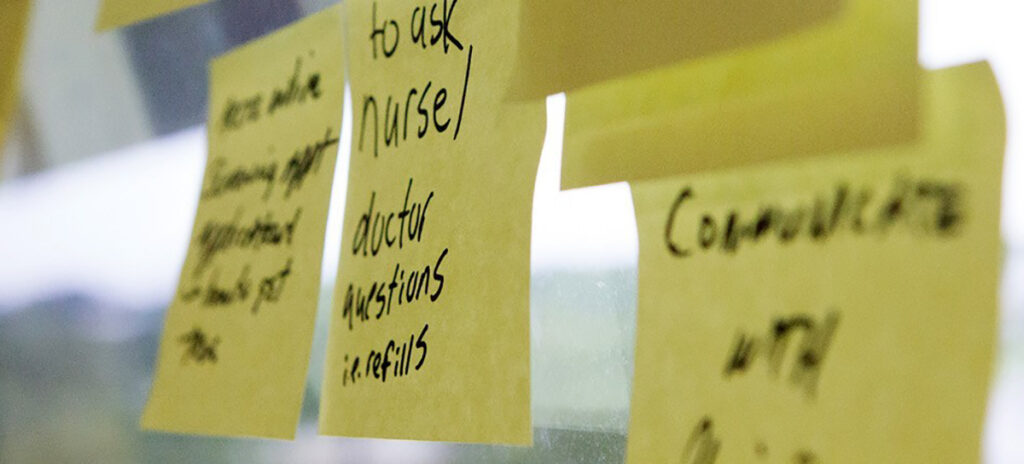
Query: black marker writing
[[306, 160], [381, 32], [271, 287], [397, 359], [199, 347], [391, 228], [925, 206], [772, 347], [296, 90], [221, 179], [702, 445], [423, 109], [216, 236], [406, 286]]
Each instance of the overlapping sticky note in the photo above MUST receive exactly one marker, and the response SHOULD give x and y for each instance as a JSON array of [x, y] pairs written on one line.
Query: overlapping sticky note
[[429, 336], [237, 336], [569, 44], [848, 83], [13, 22], [118, 13], [838, 310]]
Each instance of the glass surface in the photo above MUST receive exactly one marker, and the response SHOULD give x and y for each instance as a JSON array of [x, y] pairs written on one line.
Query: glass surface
[[103, 172]]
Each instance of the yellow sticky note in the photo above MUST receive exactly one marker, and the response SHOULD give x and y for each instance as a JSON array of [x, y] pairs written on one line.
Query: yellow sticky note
[[849, 83], [237, 336], [429, 336], [118, 13], [13, 21], [569, 44], [838, 310]]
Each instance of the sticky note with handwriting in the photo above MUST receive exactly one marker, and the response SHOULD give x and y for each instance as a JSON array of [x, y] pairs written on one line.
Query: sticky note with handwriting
[[13, 22], [569, 44], [236, 340], [429, 336], [848, 83], [119, 13], [838, 310]]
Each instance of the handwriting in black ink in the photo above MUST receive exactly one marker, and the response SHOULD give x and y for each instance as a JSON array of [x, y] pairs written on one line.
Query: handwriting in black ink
[[923, 206], [773, 347], [199, 347], [702, 446]]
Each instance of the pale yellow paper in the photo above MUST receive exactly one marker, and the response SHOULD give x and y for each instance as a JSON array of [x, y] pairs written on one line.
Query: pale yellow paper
[[118, 13], [903, 376], [260, 337], [13, 22], [849, 83], [473, 383], [568, 44]]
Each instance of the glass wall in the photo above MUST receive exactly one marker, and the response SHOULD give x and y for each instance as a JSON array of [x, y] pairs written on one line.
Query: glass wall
[[102, 174]]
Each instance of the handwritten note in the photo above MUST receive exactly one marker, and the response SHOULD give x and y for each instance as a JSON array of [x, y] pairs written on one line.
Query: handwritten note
[[429, 335], [13, 22], [236, 340], [847, 84], [570, 44], [118, 13], [837, 310]]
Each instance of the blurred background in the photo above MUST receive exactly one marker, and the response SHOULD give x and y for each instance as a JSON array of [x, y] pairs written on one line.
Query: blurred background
[[101, 174]]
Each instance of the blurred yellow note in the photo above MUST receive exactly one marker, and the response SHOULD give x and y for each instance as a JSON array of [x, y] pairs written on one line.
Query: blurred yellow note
[[838, 310], [568, 44], [237, 336], [849, 83], [118, 13], [13, 23], [429, 336]]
